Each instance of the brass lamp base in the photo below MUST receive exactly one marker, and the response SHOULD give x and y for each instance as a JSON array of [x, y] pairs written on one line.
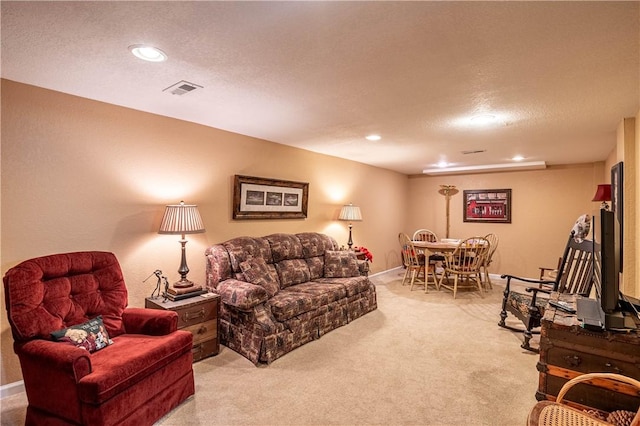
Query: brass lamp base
[[183, 283]]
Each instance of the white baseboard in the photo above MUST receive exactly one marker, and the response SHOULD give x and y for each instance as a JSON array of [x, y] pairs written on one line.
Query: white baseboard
[[11, 389], [385, 271], [495, 276]]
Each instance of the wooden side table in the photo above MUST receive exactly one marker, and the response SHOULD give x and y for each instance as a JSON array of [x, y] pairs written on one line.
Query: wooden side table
[[199, 315]]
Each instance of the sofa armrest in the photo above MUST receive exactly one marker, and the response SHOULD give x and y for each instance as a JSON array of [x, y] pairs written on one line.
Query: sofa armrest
[[363, 267], [152, 322], [53, 362], [54, 367], [241, 295]]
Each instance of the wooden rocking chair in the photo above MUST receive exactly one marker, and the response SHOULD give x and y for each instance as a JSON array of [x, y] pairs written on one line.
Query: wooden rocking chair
[[579, 269]]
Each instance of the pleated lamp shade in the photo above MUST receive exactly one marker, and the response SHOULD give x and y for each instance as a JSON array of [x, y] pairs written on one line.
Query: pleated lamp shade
[[350, 213], [181, 219]]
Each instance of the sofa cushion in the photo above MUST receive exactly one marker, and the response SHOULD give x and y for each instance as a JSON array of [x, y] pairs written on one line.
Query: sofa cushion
[[256, 271], [90, 335], [288, 304], [293, 271], [521, 302], [326, 292], [243, 248], [310, 297], [132, 358], [353, 285], [315, 244], [284, 246], [340, 264], [316, 266]]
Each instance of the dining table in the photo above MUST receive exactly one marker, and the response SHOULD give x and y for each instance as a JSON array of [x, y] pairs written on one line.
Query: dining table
[[445, 246], [442, 246]]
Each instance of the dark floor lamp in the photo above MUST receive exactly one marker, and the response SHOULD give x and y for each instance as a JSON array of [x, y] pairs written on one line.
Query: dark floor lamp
[[350, 213], [182, 219]]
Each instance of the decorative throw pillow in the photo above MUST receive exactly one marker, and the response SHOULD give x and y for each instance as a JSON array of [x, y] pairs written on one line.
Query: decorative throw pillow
[[90, 335], [256, 271], [340, 264]]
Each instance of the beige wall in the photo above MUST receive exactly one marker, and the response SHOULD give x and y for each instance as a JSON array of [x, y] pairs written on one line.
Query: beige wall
[[626, 152], [84, 175], [545, 205]]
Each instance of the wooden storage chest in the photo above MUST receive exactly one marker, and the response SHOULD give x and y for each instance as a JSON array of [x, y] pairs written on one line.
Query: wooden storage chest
[[199, 315], [568, 350]]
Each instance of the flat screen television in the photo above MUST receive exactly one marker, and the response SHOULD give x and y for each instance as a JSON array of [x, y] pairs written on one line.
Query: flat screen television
[[620, 311], [610, 259]]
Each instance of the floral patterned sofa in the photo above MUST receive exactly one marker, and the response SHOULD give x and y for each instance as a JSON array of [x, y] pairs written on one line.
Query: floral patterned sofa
[[281, 291]]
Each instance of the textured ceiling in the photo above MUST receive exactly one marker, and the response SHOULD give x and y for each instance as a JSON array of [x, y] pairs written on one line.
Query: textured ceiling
[[322, 75]]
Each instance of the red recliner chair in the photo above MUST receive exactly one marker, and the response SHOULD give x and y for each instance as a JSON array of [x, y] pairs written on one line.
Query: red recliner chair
[[145, 372]]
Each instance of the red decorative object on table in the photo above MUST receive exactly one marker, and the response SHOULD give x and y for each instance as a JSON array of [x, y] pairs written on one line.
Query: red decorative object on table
[[366, 253]]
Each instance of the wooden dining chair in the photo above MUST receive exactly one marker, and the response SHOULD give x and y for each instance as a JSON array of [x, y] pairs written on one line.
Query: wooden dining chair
[[425, 235], [436, 258], [493, 245], [414, 263], [464, 264]]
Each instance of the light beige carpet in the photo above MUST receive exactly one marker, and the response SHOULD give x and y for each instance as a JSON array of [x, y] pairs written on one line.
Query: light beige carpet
[[419, 359]]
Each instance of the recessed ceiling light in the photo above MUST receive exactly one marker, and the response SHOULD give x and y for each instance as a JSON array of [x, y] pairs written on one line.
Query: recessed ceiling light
[[148, 53], [518, 158], [483, 120], [373, 138]]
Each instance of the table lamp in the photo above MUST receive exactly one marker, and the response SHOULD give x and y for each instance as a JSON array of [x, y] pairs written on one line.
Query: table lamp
[[182, 219], [350, 213], [603, 193]]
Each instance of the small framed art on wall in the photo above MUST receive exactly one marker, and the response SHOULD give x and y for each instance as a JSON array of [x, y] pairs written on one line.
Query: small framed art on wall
[[487, 205], [262, 198]]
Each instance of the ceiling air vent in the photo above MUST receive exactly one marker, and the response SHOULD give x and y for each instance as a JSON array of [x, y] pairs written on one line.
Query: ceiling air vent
[[182, 88], [475, 151]]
